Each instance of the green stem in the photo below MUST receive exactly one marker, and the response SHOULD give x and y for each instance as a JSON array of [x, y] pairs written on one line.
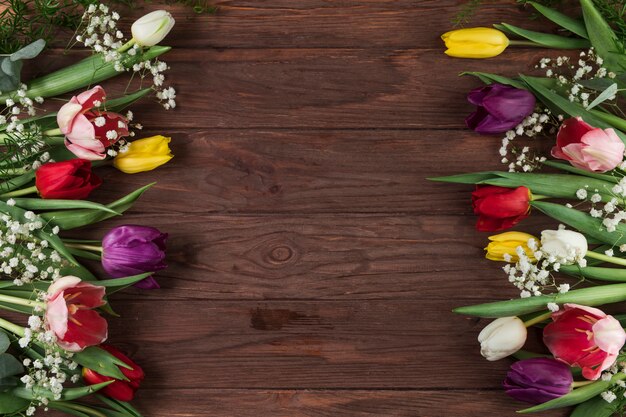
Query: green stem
[[12, 172], [538, 319], [13, 328], [577, 384], [524, 43], [79, 407], [19, 193], [127, 45], [606, 258], [536, 197], [92, 248], [53, 132], [21, 301]]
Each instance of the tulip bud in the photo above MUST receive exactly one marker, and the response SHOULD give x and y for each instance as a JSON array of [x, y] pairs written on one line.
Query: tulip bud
[[152, 28], [538, 380], [475, 43], [567, 246], [144, 155], [503, 247], [499, 108], [121, 390], [500, 208], [502, 337]]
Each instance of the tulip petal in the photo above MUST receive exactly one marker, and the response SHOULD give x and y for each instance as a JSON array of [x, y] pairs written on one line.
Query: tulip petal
[[609, 335]]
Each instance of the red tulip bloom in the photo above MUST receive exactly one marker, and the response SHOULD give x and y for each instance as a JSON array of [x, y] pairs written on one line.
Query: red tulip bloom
[[118, 390], [70, 313], [499, 208], [584, 337], [69, 180]]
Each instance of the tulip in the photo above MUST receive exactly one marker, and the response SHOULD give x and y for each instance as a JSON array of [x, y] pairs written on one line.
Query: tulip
[[584, 337], [132, 250], [475, 42], [88, 131], [567, 246], [588, 148], [70, 180], [503, 247], [499, 108], [144, 155], [119, 390], [502, 337], [538, 380], [499, 208], [70, 313], [152, 28]]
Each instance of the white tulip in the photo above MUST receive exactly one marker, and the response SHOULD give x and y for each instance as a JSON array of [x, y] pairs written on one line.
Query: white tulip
[[502, 337], [152, 28], [566, 246]]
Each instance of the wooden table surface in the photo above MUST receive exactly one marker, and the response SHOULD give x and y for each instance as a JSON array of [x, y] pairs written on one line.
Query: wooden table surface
[[313, 268]]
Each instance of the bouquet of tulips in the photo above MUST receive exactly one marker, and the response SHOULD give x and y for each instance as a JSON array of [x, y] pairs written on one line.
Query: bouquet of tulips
[[56, 354], [566, 273]]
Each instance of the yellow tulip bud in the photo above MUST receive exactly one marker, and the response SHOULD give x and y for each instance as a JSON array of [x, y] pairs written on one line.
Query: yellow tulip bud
[[144, 155], [507, 244], [475, 43]]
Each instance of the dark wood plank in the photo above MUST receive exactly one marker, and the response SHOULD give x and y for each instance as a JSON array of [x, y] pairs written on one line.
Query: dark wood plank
[[388, 344], [325, 257], [271, 172], [319, 88], [312, 403]]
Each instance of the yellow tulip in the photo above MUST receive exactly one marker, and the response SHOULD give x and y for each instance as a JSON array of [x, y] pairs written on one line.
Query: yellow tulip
[[144, 155], [507, 244], [475, 42]]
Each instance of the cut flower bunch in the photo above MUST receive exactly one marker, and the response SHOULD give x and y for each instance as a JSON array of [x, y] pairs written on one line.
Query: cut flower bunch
[[57, 354], [567, 274]]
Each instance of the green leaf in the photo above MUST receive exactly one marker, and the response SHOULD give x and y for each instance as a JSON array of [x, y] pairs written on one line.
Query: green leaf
[[611, 91], [101, 361], [121, 406], [545, 39], [567, 167], [17, 182], [9, 366], [469, 178], [595, 407], [573, 25], [595, 296], [118, 284], [577, 396], [495, 78], [54, 240], [71, 219], [603, 38], [4, 341], [10, 404], [595, 272], [54, 204]]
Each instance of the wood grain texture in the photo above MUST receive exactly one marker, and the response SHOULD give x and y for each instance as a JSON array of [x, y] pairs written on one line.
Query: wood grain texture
[[313, 268]]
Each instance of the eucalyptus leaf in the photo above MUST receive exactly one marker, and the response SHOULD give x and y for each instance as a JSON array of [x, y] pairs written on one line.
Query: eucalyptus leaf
[[10, 403], [607, 94], [8, 383], [5, 342], [9, 366], [30, 51], [11, 65]]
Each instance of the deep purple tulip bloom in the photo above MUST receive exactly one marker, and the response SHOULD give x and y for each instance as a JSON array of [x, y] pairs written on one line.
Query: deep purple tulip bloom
[[131, 250], [538, 380], [499, 108]]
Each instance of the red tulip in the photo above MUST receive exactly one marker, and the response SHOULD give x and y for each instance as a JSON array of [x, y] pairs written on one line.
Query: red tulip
[[499, 208], [584, 337], [70, 313], [69, 180], [118, 390]]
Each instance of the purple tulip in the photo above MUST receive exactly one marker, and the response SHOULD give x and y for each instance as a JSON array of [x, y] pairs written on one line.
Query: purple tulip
[[131, 250], [500, 108], [538, 380]]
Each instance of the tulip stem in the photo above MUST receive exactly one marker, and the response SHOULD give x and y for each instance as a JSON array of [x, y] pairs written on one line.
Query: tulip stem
[[18, 193], [92, 248], [523, 43], [21, 301], [606, 258], [539, 197], [62, 406], [577, 384], [538, 319], [53, 132], [13, 328], [127, 45]]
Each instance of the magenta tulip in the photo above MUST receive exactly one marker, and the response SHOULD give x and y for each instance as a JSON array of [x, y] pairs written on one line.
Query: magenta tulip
[[588, 148], [584, 337], [499, 108]]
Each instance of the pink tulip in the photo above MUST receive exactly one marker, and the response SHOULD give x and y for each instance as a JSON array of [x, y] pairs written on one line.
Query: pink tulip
[[584, 337], [70, 313], [88, 131], [588, 148]]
